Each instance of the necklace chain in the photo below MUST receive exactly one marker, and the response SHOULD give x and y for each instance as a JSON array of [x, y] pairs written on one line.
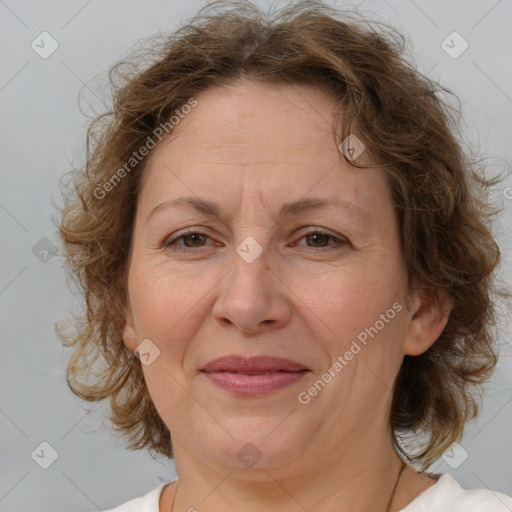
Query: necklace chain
[[402, 467]]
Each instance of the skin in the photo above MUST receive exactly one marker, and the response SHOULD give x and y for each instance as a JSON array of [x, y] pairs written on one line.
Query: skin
[[251, 148]]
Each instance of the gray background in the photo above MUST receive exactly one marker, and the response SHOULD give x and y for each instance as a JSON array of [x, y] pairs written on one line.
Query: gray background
[[43, 136]]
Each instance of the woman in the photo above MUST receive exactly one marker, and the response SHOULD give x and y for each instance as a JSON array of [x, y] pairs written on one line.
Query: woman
[[288, 269]]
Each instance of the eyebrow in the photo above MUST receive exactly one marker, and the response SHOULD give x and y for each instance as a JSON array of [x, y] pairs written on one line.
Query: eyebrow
[[291, 208]]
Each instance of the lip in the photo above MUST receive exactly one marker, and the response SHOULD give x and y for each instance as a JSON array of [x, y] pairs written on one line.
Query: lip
[[253, 376], [242, 364]]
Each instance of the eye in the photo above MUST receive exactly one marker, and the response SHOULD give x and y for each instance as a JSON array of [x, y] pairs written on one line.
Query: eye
[[194, 239], [318, 236]]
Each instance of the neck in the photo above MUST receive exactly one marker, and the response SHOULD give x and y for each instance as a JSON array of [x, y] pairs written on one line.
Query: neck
[[362, 478]]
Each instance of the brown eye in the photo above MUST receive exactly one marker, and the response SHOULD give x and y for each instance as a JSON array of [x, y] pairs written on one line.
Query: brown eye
[[195, 238], [317, 239], [191, 239]]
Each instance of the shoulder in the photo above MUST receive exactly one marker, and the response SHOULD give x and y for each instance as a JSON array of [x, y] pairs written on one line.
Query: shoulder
[[447, 495], [149, 502]]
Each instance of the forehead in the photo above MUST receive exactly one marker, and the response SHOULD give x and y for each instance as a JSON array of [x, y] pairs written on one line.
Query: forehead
[[246, 120], [261, 140]]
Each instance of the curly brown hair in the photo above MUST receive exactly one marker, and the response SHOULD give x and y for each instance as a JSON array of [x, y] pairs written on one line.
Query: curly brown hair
[[440, 192]]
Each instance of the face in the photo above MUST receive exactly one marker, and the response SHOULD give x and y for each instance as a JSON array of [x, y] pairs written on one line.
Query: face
[[321, 286]]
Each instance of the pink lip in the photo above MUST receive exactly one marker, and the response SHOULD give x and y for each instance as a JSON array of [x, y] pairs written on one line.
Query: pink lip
[[237, 374]]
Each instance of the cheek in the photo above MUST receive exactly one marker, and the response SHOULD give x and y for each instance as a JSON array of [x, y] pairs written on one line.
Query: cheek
[[364, 314], [170, 304], [166, 308], [164, 305], [352, 300]]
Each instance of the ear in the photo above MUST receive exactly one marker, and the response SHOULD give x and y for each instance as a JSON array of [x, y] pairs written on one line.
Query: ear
[[129, 334], [429, 315]]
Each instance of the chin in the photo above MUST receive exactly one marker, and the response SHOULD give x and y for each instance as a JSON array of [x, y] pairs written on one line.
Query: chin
[[264, 445]]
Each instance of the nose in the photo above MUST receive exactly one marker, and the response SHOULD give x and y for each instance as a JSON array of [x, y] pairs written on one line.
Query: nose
[[252, 297]]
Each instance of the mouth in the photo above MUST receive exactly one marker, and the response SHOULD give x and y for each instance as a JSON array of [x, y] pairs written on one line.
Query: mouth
[[255, 376]]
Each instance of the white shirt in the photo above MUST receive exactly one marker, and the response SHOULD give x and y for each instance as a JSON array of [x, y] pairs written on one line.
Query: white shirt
[[446, 495]]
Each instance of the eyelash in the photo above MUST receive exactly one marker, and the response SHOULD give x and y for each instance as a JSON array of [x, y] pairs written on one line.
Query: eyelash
[[192, 231]]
